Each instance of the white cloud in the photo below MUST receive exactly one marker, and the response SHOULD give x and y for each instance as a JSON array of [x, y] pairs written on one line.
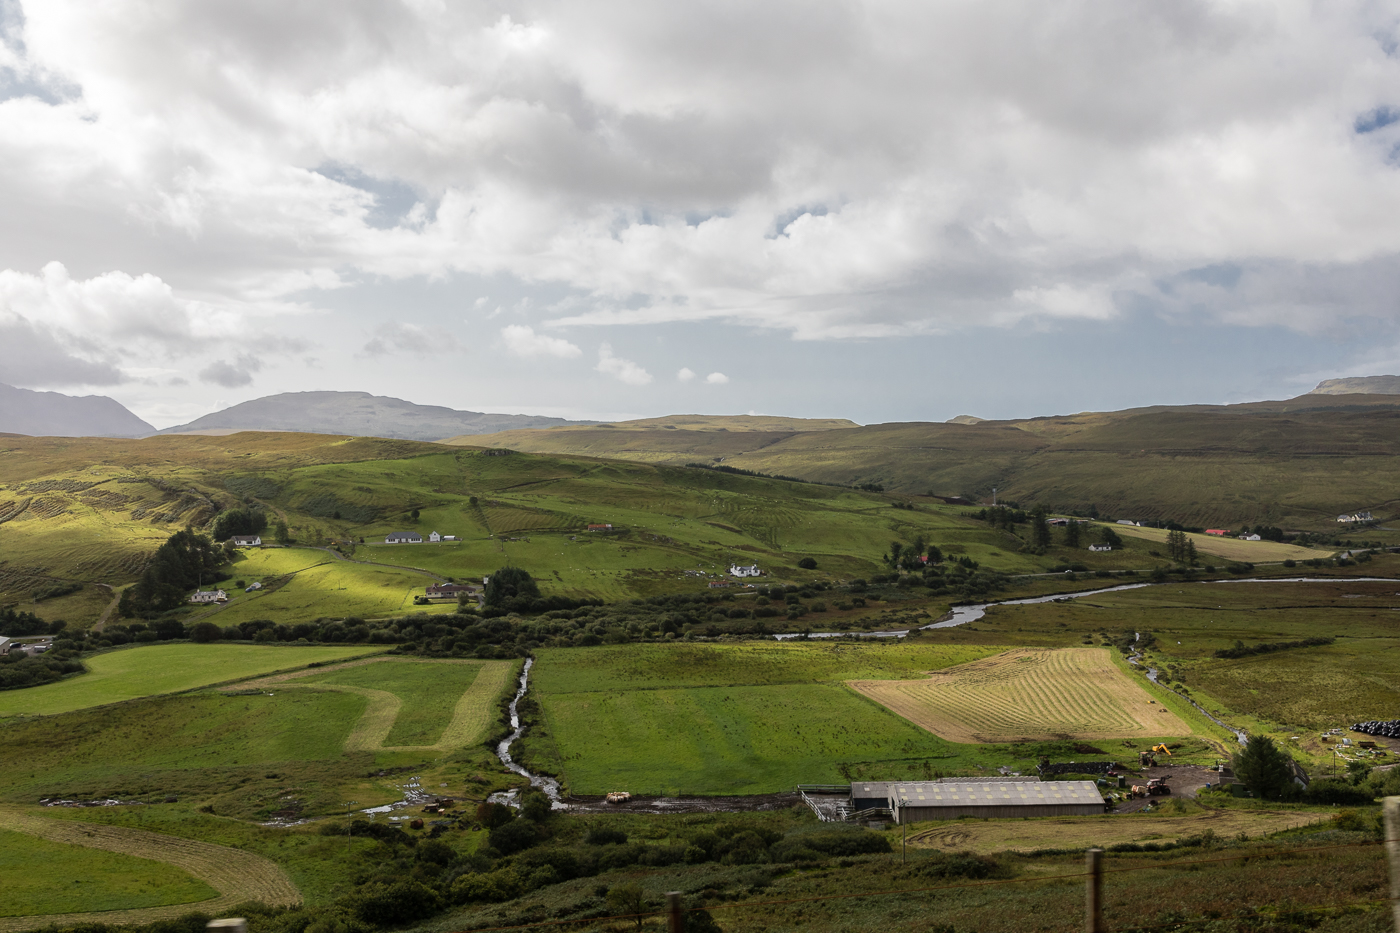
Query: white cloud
[[523, 341], [623, 370], [685, 374], [856, 170], [717, 379]]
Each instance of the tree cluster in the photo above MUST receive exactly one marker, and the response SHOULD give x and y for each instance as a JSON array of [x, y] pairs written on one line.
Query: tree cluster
[[186, 560], [1181, 548], [239, 522], [1242, 651]]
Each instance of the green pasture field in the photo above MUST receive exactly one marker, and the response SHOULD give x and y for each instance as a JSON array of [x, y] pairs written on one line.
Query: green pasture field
[[42, 877], [429, 693], [328, 588], [182, 744], [744, 718], [130, 673]]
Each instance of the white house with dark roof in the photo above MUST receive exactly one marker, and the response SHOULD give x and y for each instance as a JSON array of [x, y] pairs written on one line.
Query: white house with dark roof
[[403, 537], [247, 541]]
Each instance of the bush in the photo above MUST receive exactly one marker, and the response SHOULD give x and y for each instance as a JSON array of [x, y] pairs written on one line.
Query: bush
[[807, 563], [205, 632], [510, 583]]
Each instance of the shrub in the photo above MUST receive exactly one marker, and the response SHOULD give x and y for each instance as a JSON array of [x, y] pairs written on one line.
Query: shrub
[[205, 632], [807, 563]]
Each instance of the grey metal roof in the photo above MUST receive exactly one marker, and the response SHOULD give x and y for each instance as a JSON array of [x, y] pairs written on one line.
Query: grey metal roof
[[993, 793]]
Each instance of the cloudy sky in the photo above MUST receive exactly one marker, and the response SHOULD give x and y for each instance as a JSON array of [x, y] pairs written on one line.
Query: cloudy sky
[[880, 211]]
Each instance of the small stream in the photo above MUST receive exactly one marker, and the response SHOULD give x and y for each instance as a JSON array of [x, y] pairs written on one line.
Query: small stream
[[547, 784], [1136, 659], [962, 615]]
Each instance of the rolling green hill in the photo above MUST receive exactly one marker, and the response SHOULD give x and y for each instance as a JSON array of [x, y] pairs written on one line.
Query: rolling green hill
[[92, 512], [1296, 463]]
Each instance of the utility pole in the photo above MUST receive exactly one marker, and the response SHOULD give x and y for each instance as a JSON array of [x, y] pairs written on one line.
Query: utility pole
[[994, 497], [1093, 903]]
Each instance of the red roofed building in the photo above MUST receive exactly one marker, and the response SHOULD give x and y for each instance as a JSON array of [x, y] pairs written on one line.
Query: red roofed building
[[1219, 531]]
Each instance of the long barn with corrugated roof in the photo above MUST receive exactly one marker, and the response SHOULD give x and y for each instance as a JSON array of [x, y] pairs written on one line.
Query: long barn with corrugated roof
[[949, 799]]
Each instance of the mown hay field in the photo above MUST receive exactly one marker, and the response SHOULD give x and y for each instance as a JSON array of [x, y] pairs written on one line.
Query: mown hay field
[[39, 876], [131, 673], [1029, 694]]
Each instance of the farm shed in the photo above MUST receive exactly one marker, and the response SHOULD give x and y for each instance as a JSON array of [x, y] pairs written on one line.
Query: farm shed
[[916, 801], [403, 537]]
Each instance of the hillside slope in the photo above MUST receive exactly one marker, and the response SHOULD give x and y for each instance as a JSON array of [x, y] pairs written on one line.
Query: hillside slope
[[357, 413], [53, 414], [1296, 463]]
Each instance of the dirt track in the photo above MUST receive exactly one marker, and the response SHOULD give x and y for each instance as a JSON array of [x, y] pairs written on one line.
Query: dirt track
[[591, 804], [238, 876], [1184, 780]]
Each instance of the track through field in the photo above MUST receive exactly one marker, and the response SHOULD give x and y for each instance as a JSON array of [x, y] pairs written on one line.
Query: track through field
[[238, 876], [470, 717], [1032, 694]]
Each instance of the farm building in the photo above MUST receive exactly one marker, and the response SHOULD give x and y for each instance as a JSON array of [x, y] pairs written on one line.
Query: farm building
[[25, 644], [1100, 547], [1355, 517], [403, 537], [450, 589], [600, 527], [951, 798], [247, 541], [1222, 532], [750, 571], [209, 596], [434, 537]]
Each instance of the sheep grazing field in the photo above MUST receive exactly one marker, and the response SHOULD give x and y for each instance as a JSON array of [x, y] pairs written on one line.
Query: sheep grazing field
[[1029, 694]]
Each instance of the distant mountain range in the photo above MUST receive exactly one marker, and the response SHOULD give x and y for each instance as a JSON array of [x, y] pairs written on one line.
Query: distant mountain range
[[53, 414], [361, 415], [1359, 385]]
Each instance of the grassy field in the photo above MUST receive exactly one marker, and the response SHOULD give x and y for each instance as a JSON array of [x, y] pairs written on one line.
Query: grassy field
[[320, 586], [413, 703], [130, 673], [741, 719], [43, 877], [1028, 695], [1287, 693], [1229, 548], [1102, 831]]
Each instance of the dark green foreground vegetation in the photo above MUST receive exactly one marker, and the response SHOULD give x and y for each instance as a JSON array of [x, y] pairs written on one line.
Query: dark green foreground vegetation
[[784, 871]]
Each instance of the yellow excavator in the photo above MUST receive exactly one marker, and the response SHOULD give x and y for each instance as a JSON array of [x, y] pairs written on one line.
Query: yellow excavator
[[1148, 758]]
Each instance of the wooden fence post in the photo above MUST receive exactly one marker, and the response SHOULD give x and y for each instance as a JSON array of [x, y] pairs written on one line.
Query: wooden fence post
[[675, 922], [1093, 902], [1391, 808]]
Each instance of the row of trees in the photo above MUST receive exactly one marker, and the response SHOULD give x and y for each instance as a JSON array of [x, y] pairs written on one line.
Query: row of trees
[[1181, 548]]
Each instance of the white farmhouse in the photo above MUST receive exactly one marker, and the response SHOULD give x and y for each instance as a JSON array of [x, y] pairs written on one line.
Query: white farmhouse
[[209, 596], [750, 571]]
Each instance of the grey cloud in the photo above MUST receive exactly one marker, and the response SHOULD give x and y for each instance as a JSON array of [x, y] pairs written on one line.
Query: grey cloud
[[399, 337], [231, 375], [35, 357]]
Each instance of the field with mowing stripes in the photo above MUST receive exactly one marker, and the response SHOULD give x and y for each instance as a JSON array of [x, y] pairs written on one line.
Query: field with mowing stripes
[[1030, 693], [412, 703]]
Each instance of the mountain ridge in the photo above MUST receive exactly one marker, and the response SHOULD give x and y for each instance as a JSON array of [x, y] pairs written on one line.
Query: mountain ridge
[[360, 414], [54, 414]]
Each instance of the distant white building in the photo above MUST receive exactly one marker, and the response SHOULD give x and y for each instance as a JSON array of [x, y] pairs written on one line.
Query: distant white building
[[1353, 517], [1124, 521], [434, 537], [247, 541], [209, 596], [750, 571], [1100, 547], [403, 537], [1250, 538]]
